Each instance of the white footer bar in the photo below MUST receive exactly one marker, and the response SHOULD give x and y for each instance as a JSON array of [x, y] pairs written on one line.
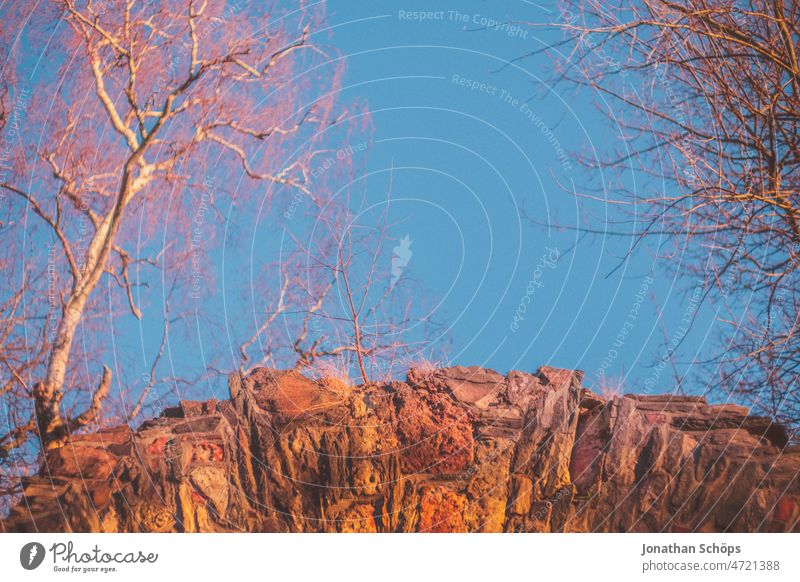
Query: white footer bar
[[416, 557]]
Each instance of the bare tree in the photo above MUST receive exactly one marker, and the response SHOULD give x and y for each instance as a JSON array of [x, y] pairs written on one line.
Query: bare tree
[[707, 95], [137, 101]]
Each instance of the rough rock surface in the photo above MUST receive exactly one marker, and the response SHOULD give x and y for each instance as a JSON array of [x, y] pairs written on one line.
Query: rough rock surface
[[459, 449]]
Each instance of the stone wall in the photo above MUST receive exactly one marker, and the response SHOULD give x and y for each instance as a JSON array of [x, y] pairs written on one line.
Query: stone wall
[[459, 449]]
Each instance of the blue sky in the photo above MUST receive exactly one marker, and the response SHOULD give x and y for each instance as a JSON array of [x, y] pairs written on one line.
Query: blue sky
[[480, 150], [484, 158]]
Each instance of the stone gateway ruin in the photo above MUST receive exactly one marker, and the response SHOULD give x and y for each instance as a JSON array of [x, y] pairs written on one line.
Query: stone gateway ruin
[[451, 450]]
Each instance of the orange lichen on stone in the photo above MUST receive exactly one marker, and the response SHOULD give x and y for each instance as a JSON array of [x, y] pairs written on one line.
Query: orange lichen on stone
[[358, 519], [441, 511], [436, 437], [157, 446], [653, 418], [208, 453], [785, 508]]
